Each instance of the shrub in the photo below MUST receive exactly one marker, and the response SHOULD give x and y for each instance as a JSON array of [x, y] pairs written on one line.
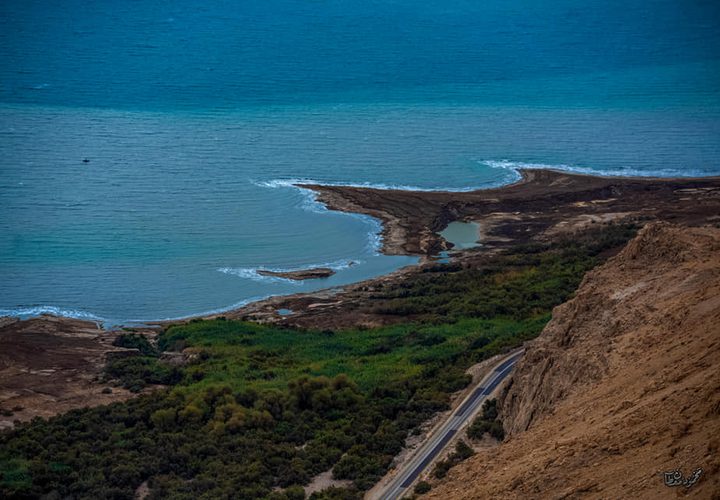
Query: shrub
[[422, 487], [135, 341], [462, 451], [487, 422], [137, 372], [163, 419], [441, 469]]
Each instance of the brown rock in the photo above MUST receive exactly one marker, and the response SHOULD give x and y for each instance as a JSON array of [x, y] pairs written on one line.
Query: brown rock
[[303, 274]]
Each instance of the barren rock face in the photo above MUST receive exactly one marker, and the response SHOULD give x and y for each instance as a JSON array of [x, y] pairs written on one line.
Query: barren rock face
[[615, 299], [622, 385]]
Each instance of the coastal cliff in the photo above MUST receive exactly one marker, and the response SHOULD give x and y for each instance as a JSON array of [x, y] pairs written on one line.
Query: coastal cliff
[[621, 386]]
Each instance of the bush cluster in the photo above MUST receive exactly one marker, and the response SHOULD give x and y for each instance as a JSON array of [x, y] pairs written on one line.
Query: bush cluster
[[487, 422], [262, 410], [462, 452]]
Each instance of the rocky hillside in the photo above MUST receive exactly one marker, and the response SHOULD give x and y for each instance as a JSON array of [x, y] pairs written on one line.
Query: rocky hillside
[[622, 385]]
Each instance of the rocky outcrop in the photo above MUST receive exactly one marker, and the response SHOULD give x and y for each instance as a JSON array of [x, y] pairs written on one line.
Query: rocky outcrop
[[622, 385], [617, 298], [302, 274]]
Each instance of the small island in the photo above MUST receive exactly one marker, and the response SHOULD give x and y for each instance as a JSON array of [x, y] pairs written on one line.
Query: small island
[[301, 274]]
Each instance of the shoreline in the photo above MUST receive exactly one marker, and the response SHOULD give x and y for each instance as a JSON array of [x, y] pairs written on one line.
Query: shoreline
[[545, 207], [543, 200], [412, 219]]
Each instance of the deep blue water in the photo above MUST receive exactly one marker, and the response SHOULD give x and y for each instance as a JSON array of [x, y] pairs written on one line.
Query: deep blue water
[[194, 116]]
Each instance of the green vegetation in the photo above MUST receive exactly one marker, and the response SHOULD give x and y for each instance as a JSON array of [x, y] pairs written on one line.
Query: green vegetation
[[258, 410], [462, 452], [136, 372], [526, 282], [422, 487], [487, 422], [135, 341]]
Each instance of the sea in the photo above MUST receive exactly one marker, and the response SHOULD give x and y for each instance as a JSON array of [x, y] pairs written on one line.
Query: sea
[[149, 148]]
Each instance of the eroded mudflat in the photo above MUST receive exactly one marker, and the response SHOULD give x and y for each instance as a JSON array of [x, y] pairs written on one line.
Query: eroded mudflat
[[544, 201], [49, 365]]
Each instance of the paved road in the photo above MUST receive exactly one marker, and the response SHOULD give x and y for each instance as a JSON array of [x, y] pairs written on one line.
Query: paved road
[[437, 442]]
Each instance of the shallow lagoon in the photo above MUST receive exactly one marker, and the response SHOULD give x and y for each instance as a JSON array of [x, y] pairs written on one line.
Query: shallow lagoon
[[462, 235]]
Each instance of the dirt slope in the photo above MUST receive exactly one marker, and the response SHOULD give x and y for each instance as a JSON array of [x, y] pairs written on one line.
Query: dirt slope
[[622, 385], [50, 365]]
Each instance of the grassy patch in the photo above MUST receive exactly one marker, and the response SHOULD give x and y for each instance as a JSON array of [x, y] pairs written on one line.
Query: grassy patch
[[260, 410]]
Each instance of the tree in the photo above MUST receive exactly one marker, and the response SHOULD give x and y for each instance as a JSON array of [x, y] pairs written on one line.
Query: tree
[[163, 419]]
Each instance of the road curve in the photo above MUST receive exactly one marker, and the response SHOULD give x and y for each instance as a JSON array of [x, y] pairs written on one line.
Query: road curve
[[439, 439]]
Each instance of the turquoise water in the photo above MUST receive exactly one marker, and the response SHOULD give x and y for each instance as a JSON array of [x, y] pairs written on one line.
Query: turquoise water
[[462, 235], [195, 120]]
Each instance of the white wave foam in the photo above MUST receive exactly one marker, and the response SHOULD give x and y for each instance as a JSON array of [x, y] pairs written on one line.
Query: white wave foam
[[312, 204], [298, 183], [500, 164], [516, 166], [253, 274], [374, 235], [34, 311]]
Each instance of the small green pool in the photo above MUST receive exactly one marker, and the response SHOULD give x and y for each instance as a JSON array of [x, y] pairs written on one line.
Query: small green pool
[[462, 234]]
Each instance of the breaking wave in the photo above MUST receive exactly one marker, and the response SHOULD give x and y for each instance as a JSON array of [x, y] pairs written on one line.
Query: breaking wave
[[298, 184], [311, 203], [34, 311], [516, 166]]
